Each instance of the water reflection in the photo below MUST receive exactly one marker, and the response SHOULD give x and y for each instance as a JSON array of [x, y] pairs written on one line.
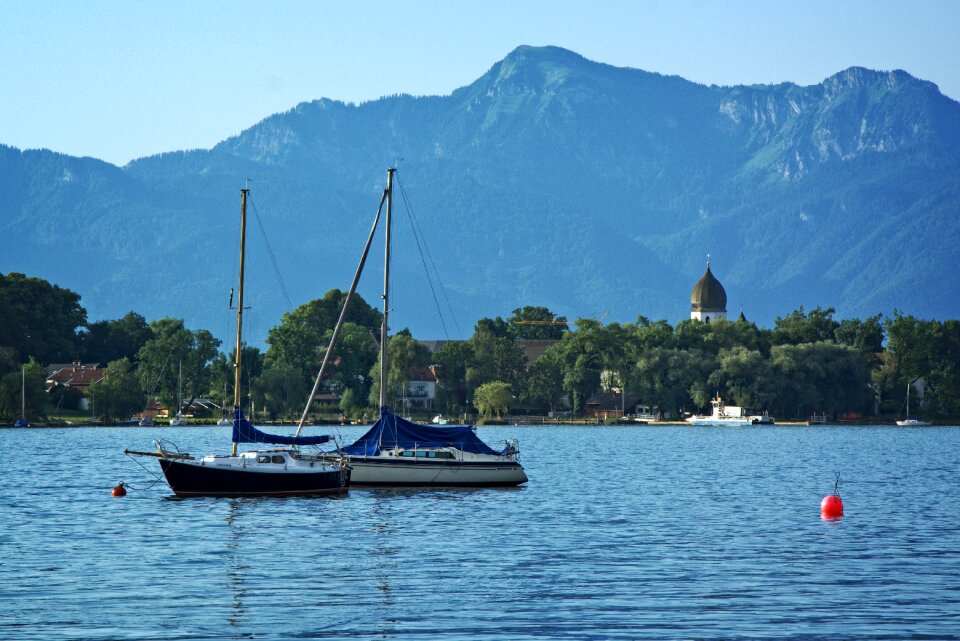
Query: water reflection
[[236, 568]]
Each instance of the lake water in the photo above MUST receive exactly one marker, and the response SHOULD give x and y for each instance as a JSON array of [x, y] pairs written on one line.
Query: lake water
[[645, 532]]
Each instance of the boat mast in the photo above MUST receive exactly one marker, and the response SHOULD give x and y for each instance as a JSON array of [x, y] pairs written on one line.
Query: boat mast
[[23, 393], [236, 362], [343, 315], [386, 291]]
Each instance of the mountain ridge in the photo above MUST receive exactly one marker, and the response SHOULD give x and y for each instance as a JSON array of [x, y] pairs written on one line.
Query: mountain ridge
[[552, 180]]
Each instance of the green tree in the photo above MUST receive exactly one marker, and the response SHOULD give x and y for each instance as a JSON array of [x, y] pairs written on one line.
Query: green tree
[[355, 353], [912, 343], [865, 335], [452, 360], [654, 334], [721, 334], [348, 402], [537, 323], [117, 395], [619, 348], [743, 375], [111, 340], [172, 348], [496, 355], [543, 382], [674, 380], [821, 377], [403, 353], [492, 398], [581, 357], [299, 338], [223, 374], [944, 397], [802, 327], [28, 377], [39, 320], [197, 370], [280, 391]]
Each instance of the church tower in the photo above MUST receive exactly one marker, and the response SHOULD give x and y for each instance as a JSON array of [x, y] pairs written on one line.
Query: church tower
[[708, 300]]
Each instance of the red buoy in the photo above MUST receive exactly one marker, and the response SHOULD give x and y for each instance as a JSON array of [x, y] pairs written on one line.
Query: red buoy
[[831, 507], [120, 490]]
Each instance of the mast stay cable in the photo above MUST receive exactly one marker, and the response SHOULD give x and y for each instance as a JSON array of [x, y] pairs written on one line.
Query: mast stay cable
[[273, 258], [418, 236]]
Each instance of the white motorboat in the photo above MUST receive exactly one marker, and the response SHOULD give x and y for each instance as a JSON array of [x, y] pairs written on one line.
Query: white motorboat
[[730, 415]]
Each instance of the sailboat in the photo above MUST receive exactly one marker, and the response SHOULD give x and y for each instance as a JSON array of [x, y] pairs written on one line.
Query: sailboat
[[912, 422], [22, 421], [398, 452], [265, 472], [178, 419]]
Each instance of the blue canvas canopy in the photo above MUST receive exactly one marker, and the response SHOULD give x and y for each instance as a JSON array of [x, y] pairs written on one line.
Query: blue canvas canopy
[[393, 431], [245, 432]]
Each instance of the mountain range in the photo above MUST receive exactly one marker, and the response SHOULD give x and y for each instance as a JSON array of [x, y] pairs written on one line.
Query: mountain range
[[551, 180]]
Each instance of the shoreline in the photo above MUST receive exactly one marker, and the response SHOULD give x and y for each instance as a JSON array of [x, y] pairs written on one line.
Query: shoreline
[[511, 422]]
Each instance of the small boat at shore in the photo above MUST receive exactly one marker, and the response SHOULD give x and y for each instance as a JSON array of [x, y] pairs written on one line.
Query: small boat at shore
[[912, 422], [730, 415], [22, 421]]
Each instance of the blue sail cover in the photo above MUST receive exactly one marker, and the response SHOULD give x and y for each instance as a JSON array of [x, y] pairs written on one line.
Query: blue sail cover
[[245, 432], [392, 431]]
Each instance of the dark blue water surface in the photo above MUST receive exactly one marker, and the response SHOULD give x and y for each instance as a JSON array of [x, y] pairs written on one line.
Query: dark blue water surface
[[644, 532]]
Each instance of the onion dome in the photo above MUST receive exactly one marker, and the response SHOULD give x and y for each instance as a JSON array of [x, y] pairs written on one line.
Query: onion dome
[[708, 294]]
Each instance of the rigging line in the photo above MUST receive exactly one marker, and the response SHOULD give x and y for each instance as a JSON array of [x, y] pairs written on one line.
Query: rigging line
[[416, 223], [424, 261], [273, 259], [433, 263]]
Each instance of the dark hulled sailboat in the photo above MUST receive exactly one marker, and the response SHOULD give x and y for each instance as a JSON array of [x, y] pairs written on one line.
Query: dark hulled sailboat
[[264, 472]]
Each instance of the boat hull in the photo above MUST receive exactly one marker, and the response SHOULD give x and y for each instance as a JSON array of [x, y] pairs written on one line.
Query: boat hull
[[396, 472], [191, 478], [914, 423]]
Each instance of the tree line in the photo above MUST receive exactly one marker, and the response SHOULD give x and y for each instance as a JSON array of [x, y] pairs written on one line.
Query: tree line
[[808, 362]]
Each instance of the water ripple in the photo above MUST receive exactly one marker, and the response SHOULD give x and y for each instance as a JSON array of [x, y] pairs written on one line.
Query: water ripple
[[622, 533]]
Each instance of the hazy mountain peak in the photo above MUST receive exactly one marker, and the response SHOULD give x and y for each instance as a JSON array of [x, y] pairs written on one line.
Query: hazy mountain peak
[[550, 180]]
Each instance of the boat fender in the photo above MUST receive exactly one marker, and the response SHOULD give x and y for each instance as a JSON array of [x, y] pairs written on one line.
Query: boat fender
[[831, 507], [120, 489]]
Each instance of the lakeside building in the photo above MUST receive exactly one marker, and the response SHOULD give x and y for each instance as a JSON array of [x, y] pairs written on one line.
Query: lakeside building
[[76, 376]]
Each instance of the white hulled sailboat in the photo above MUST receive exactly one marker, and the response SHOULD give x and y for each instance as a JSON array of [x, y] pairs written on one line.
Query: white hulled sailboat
[[399, 452]]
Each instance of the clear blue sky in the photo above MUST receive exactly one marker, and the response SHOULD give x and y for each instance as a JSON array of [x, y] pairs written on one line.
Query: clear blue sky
[[119, 80]]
